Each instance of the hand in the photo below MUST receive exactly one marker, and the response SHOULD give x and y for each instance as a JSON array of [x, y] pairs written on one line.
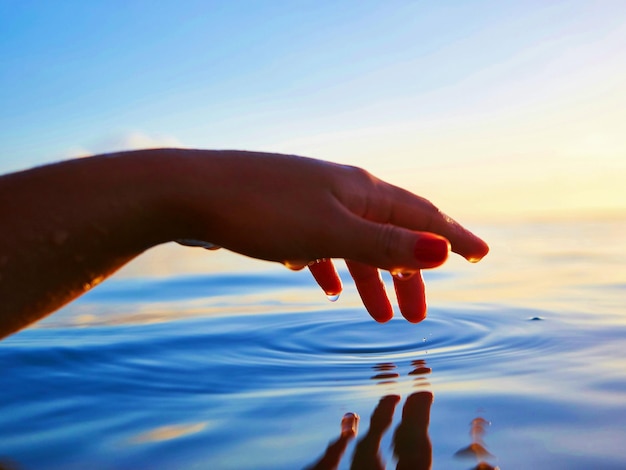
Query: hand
[[75, 223], [303, 212]]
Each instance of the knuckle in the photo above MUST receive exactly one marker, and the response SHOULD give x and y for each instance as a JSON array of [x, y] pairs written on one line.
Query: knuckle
[[360, 173], [373, 200], [356, 188], [432, 215], [387, 242]]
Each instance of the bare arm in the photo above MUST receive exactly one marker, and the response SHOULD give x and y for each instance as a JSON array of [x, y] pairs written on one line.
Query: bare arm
[[69, 225]]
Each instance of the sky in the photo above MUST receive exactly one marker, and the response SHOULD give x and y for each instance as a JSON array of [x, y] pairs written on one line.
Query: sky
[[491, 109]]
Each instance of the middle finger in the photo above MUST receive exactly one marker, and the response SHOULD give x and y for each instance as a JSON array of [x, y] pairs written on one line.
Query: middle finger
[[411, 296], [372, 290]]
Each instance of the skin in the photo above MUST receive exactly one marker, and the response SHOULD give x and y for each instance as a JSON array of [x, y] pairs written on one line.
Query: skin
[[70, 225]]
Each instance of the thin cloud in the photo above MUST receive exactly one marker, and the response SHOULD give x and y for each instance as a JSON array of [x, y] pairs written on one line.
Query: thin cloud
[[133, 140]]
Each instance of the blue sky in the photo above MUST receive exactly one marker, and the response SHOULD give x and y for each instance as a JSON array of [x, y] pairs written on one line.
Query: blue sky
[[485, 107]]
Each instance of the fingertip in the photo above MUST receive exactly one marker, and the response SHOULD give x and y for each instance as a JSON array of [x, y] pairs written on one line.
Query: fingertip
[[381, 314], [391, 399], [463, 241], [379, 308], [416, 316], [411, 298], [481, 250], [372, 290], [327, 277]]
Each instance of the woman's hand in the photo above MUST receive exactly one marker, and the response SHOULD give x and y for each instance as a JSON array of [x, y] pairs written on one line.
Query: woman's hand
[[303, 212], [74, 223]]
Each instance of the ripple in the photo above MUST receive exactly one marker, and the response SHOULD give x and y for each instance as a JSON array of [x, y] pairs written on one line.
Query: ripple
[[285, 351], [350, 336]]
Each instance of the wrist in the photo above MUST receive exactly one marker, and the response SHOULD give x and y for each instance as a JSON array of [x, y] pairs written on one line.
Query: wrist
[[177, 185]]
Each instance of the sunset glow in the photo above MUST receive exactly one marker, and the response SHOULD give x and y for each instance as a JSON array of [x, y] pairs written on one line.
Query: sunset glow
[[490, 109]]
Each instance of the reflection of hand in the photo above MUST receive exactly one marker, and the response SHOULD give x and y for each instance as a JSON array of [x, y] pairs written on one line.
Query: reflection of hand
[[412, 444]]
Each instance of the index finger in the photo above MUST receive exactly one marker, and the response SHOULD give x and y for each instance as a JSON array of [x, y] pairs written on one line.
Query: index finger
[[416, 213], [393, 205], [462, 241]]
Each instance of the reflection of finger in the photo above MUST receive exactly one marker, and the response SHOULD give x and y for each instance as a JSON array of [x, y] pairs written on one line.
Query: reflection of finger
[[335, 450], [416, 410], [332, 457], [372, 290], [383, 414], [411, 442], [326, 276], [411, 297], [350, 425], [366, 454], [421, 370]]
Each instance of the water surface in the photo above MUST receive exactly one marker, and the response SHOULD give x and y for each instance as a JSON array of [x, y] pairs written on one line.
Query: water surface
[[251, 368]]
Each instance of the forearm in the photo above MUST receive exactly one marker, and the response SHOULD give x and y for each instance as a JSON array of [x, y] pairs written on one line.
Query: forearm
[[69, 225]]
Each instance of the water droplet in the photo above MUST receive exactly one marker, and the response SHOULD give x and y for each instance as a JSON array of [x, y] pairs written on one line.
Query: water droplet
[[295, 265], [333, 298], [402, 275], [198, 243]]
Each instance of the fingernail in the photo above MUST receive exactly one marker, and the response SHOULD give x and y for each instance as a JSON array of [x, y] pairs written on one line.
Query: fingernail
[[431, 249]]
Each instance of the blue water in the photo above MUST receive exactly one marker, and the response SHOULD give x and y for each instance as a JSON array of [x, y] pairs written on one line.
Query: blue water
[[254, 369]]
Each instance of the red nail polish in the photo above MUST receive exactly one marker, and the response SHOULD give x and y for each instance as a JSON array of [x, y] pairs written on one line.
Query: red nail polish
[[431, 249]]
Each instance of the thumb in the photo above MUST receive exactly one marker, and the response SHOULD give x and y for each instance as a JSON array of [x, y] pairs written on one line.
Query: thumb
[[394, 248]]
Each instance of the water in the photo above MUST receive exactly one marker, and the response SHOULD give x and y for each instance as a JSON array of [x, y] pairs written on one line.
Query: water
[[249, 366]]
